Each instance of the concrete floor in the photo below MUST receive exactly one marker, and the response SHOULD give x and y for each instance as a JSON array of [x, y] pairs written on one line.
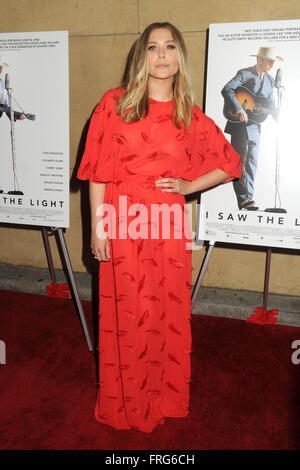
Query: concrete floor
[[210, 301]]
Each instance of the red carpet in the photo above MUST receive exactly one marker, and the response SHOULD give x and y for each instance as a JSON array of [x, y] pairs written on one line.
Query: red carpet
[[244, 393]]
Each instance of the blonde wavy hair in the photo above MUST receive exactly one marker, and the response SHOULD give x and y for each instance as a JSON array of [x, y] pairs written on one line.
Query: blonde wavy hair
[[133, 106]]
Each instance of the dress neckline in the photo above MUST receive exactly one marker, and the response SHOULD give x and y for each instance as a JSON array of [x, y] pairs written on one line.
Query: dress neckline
[[151, 100]]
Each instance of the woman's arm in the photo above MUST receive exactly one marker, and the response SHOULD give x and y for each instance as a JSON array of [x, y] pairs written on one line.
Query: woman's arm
[[208, 180], [99, 246], [184, 187]]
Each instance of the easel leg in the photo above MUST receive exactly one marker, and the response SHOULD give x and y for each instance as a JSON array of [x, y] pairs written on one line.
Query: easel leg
[[202, 272], [48, 254], [74, 287], [267, 277]]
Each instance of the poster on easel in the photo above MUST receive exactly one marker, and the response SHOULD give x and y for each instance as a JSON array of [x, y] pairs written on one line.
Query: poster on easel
[[34, 128], [252, 94]]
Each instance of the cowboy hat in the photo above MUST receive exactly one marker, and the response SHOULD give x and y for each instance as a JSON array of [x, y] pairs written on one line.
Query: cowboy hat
[[2, 63], [267, 53]]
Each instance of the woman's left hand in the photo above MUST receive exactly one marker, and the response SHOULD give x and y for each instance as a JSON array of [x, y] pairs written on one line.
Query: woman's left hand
[[174, 185]]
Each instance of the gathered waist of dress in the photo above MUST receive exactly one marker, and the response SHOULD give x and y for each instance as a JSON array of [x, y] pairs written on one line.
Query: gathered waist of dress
[[139, 178], [140, 186]]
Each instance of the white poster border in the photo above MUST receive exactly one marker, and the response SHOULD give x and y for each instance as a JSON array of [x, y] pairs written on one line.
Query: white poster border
[[220, 219], [34, 179]]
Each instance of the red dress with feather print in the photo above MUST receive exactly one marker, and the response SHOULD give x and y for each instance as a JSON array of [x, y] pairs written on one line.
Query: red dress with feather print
[[145, 287]]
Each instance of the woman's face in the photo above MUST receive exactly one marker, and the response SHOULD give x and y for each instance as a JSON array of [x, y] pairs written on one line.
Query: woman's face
[[162, 54]]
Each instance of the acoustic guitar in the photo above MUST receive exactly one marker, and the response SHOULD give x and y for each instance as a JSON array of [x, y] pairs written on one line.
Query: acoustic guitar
[[257, 107]]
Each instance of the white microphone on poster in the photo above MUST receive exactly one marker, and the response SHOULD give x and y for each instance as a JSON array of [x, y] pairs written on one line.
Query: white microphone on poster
[[7, 81], [278, 78]]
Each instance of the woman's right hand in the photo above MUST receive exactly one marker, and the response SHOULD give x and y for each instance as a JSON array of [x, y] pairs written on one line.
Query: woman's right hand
[[100, 248]]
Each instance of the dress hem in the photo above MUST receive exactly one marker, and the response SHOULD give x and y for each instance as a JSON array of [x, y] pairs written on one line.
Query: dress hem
[[138, 428]]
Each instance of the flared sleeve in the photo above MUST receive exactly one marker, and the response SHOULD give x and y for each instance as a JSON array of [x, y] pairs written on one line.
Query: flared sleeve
[[210, 150], [97, 164]]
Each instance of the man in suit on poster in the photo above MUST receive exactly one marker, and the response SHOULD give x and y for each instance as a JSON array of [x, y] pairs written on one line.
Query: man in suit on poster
[[4, 107], [3, 99], [245, 132]]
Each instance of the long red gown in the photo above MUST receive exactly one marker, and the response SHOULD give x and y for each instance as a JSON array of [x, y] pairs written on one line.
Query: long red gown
[[145, 287]]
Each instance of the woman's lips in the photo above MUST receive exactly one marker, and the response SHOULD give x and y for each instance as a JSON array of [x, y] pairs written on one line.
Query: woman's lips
[[161, 66]]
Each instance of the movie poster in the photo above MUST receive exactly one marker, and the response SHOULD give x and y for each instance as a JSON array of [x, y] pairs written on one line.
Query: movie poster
[[252, 94], [34, 128]]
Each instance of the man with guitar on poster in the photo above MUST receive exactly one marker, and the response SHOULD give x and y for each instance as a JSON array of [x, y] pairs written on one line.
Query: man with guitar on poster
[[3, 96], [248, 101], [5, 108]]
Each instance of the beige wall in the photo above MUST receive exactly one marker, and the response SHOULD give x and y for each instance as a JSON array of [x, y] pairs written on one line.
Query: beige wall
[[100, 35]]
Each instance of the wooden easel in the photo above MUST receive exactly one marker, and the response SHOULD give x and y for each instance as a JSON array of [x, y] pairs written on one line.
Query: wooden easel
[[204, 267], [60, 240], [58, 232]]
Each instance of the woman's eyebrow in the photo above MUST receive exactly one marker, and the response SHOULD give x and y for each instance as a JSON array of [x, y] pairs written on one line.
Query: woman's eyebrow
[[156, 42]]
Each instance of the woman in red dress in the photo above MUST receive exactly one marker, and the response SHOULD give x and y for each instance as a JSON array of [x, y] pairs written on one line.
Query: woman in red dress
[[147, 147]]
